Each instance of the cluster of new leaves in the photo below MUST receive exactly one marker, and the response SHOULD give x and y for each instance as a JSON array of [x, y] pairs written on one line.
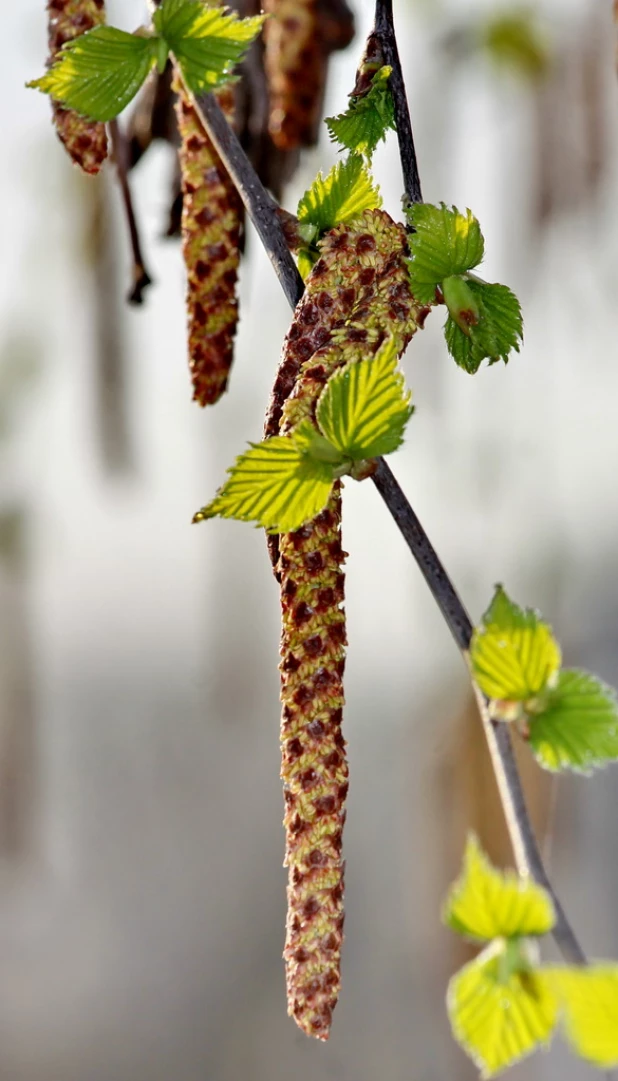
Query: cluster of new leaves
[[484, 320], [504, 1004], [569, 717], [99, 73], [286, 480], [367, 119]]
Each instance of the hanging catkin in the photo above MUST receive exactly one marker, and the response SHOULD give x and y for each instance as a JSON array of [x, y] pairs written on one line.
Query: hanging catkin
[[85, 140], [211, 228], [357, 295], [298, 38]]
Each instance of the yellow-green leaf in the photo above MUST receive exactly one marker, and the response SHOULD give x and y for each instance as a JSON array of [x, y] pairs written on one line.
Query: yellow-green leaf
[[367, 119], [485, 903], [500, 1016], [513, 654], [589, 1001], [364, 408], [208, 42], [340, 197], [578, 728], [98, 73], [444, 243], [278, 483]]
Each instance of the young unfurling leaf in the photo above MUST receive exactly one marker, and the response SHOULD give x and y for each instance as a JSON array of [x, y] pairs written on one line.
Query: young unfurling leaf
[[278, 483], [486, 903], [492, 333], [98, 73], [365, 408], [513, 654], [444, 243], [500, 1013], [338, 198], [207, 42], [367, 119], [578, 727]]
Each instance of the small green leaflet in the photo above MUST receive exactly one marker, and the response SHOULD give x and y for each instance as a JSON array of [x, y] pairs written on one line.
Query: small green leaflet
[[339, 197], [99, 73], [513, 654], [444, 243], [207, 42], [278, 483], [367, 119], [589, 1000], [364, 408], [486, 903], [498, 1016], [578, 728], [498, 330]]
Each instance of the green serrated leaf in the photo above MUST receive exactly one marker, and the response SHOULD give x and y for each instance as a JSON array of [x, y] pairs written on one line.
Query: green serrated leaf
[[278, 484], [339, 197], [513, 654], [367, 119], [497, 332], [444, 243], [485, 903], [589, 1000], [207, 42], [364, 408], [500, 1017], [578, 728], [99, 73]]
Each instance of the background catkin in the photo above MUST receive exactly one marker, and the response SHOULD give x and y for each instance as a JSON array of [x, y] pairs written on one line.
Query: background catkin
[[212, 220], [357, 295], [298, 38], [85, 140]]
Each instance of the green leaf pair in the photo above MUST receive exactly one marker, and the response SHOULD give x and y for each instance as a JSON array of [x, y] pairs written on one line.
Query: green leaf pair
[[569, 717], [368, 118], [99, 73], [336, 199], [504, 1005], [484, 320], [287, 480]]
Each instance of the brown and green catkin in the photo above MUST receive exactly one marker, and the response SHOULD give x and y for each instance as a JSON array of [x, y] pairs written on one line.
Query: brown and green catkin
[[212, 219], [85, 140], [356, 295], [298, 38]]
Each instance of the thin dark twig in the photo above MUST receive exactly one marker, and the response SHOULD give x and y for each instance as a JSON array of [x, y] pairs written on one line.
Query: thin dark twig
[[261, 207], [264, 212], [384, 30], [141, 277], [527, 855]]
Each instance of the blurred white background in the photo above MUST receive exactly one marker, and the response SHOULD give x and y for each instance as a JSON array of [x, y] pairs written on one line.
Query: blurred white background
[[142, 897]]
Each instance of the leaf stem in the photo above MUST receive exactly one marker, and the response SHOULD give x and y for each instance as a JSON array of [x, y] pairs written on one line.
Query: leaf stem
[[264, 213]]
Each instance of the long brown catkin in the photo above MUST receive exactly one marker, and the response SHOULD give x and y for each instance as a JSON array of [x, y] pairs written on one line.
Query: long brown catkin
[[212, 219], [356, 295]]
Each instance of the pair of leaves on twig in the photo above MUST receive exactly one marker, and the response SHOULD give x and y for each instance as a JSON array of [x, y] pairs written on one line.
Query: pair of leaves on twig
[[287, 480], [99, 73], [484, 319], [569, 717], [504, 1004]]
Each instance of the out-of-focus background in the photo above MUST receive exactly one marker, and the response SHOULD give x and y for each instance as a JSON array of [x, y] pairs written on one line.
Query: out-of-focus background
[[142, 897]]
